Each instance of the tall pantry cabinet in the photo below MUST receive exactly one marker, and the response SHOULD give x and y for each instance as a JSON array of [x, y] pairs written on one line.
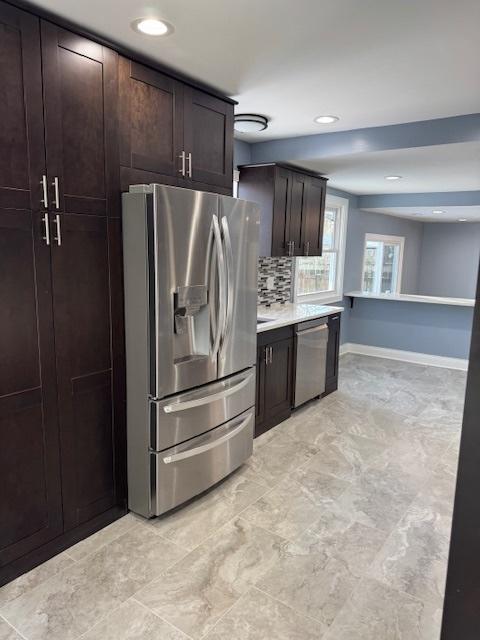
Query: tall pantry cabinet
[[61, 340]]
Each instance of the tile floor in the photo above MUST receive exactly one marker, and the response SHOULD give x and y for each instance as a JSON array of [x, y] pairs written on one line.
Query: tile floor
[[336, 529]]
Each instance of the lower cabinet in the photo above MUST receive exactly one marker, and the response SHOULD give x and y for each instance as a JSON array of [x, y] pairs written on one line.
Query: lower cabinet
[[276, 372], [333, 352], [275, 350]]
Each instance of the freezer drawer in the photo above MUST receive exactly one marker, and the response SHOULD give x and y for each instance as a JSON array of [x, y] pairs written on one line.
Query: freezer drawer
[[311, 363], [186, 470], [189, 414]]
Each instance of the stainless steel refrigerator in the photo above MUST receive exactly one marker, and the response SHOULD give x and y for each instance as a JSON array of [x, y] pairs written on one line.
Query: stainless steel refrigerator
[[190, 270]]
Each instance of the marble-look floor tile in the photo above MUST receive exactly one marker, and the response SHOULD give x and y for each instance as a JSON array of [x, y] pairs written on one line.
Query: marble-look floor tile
[[102, 537], [346, 456], [7, 632], [33, 578], [282, 455], [199, 589], [192, 523], [377, 612], [133, 621], [292, 506], [379, 498], [256, 616], [310, 429], [67, 605], [414, 558]]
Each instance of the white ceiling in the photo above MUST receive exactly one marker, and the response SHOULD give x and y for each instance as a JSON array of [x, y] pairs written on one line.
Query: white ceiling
[[371, 62], [424, 214], [447, 167]]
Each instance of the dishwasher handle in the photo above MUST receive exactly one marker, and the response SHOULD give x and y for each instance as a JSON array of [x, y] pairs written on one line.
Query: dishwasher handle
[[321, 327]]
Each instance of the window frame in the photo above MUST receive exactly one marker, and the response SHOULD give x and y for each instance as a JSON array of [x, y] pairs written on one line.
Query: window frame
[[327, 297], [377, 237]]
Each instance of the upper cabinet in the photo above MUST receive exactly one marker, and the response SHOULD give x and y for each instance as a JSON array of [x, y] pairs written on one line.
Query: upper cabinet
[[172, 133], [292, 208]]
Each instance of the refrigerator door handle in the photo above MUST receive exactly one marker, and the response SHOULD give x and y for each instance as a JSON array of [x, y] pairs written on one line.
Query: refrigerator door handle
[[220, 319], [229, 273], [189, 453], [198, 402]]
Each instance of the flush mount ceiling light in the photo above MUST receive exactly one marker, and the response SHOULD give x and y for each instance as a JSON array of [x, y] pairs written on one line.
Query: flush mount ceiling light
[[326, 119], [152, 27], [250, 122], [438, 211], [393, 177], [462, 219]]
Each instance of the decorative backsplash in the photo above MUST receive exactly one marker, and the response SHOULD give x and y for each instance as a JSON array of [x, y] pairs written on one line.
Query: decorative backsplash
[[281, 270]]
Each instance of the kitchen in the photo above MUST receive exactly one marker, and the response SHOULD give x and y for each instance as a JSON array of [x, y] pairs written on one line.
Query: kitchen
[[242, 413]]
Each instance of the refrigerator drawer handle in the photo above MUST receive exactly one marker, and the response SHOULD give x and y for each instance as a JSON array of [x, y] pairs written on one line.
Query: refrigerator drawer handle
[[321, 327], [210, 445], [198, 402]]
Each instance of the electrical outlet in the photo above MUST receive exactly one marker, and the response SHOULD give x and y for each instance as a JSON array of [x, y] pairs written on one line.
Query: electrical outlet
[[270, 283]]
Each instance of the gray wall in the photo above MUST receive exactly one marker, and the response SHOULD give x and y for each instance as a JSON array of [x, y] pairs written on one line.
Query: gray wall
[[242, 153], [362, 222], [449, 259]]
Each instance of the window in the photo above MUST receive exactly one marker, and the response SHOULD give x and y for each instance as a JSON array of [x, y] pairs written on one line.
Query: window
[[321, 278], [382, 264]]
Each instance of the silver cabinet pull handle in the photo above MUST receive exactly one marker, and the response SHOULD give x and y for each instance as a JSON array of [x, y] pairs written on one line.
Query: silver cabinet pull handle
[[57, 192], [271, 354], [189, 160], [181, 171], [307, 247], [289, 246], [266, 355], [45, 221], [43, 182], [58, 237], [198, 402], [189, 453]]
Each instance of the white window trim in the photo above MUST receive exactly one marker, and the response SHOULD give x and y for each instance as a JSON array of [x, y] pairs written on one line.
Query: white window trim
[[375, 237], [337, 295]]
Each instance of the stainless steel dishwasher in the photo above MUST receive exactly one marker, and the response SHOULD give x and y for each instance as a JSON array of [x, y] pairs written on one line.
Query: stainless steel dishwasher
[[312, 340]]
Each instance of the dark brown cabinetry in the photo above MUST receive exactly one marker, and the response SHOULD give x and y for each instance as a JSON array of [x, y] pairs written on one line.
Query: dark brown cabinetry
[[274, 378], [61, 335], [333, 353], [276, 372], [173, 133], [292, 208]]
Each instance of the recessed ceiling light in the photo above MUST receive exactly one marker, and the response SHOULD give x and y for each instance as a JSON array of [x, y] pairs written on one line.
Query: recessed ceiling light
[[152, 27], [438, 211], [326, 119], [462, 219], [250, 122], [393, 177]]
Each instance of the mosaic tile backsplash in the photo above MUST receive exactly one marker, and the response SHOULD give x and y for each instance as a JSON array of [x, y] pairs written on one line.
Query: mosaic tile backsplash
[[281, 269]]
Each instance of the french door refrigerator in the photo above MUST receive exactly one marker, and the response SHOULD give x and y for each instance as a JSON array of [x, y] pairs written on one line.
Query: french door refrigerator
[[190, 271]]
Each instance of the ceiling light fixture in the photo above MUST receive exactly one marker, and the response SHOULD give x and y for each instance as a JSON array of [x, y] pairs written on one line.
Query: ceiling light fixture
[[250, 122], [393, 177], [152, 27], [462, 219], [438, 211], [326, 119]]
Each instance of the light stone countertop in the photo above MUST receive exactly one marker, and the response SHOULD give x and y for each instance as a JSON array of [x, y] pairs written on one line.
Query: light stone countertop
[[407, 297], [282, 315]]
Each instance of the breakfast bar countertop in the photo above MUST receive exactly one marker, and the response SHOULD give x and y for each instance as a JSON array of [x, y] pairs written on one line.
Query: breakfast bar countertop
[[281, 315]]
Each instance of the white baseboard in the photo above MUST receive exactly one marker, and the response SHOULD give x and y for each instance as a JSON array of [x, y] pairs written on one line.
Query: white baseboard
[[406, 356]]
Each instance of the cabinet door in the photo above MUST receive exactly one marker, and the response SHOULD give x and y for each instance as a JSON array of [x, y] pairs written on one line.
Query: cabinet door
[[313, 217], [333, 352], [22, 157], [281, 212], [80, 95], [260, 394], [151, 122], [208, 137], [278, 379], [89, 395], [30, 495], [297, 212]]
